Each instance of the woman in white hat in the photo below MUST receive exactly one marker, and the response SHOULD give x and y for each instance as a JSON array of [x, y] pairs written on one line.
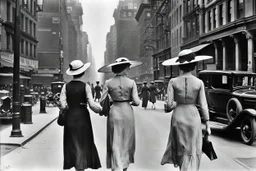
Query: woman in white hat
[[79, 148], [184, 146], [120, 122]]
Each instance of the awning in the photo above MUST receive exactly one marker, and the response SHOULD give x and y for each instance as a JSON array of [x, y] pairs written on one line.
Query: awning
[[11, 75], [199, 47]]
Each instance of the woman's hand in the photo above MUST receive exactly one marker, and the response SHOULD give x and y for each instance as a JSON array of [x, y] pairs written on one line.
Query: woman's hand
[[208, 129]]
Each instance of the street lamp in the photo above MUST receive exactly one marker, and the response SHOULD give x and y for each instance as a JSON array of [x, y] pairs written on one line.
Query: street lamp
[[16, 132]]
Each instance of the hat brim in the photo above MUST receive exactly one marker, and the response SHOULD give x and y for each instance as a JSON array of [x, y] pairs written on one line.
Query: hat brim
[[80, 70], [173, 61], [108, 68]]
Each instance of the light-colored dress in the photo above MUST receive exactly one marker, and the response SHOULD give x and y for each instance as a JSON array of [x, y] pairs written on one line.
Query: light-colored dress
[[120, 122], [184, 147]]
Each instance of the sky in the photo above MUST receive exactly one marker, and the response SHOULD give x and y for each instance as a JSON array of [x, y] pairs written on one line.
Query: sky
[[97, 19]]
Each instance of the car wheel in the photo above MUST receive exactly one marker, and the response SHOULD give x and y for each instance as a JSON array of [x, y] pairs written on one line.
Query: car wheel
[[248, 130], [233, 108]]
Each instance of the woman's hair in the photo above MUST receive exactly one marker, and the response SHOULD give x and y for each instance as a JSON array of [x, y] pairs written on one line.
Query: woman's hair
[[119, 68], [188, 67], [79, 75]]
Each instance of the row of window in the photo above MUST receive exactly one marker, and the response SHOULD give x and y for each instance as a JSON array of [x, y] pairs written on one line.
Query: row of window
[[26, 48], [27, 24], [176, 17]]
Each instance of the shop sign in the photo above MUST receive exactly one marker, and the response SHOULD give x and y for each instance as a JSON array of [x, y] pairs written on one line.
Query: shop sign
[[8, 57], [48, 71]]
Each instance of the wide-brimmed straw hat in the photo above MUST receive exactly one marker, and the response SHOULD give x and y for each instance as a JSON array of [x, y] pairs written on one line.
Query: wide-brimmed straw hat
[[119, 61], [186, 56], [77, 67]]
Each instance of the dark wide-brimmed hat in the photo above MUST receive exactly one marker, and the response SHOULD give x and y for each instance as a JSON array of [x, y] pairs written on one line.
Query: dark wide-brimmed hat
[[186, 56], [77, 67], [119, 61]]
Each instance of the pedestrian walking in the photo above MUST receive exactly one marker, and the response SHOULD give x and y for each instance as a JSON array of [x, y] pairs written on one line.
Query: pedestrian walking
[[153, 93], [98, 91], [79, 148], [184, 147], [93, 90], [145, 95], [120, 122]]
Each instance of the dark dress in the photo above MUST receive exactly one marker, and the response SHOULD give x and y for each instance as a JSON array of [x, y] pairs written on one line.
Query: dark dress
[[79, 148], [145, 96], [153, 93], [97, 90]]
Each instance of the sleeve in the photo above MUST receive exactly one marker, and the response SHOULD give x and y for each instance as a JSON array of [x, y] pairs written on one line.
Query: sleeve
[[135, 96], [104, 91], [92, 104], [171, 104], [202, 102], [63, 97]]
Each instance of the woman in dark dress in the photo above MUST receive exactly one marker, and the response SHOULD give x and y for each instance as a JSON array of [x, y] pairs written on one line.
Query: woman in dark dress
[[153, 92], [145, 95], [79, 148]]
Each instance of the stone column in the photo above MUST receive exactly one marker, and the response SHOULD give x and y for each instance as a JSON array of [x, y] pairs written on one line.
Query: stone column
[[201, 23], [216, 53], [225, 14], [237, 53], [223, 53], [206, 22], [250, 51], [217, 16], [234, 10]]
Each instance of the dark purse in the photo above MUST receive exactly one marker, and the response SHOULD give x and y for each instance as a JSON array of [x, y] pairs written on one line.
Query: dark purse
[[208, 148], [62, 117], [105, 106]]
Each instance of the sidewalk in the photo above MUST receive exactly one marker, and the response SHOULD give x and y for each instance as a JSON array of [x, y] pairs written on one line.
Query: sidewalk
[[29, 131]]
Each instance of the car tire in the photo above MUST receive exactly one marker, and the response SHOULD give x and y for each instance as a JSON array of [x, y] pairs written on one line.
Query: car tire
[[248, 129], [233, 108]]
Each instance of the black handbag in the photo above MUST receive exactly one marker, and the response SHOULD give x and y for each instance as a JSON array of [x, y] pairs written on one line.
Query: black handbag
[[208, 148], [105, 106], [62, 117]]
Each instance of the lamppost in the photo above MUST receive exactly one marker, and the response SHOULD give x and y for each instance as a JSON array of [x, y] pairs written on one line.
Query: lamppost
[[16, 132]]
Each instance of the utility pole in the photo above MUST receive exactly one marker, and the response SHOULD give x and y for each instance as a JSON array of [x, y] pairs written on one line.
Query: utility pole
[[16, 132]]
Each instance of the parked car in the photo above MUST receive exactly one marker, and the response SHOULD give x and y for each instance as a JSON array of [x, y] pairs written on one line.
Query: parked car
[[53, 97], [231, 98]]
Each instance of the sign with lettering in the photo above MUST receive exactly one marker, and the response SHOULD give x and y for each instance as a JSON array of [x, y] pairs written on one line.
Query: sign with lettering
[[25, 62]]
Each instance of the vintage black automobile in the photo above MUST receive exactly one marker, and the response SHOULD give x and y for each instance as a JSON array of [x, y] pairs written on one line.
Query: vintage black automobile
[[53, 96], [231, 98]]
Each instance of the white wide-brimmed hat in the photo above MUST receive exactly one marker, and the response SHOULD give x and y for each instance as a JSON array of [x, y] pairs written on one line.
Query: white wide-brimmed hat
[[77, 67], [119, 61], [185, 56]]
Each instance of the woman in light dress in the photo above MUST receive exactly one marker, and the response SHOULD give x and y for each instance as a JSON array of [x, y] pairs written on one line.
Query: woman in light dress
[[120, 122], [184, 147]]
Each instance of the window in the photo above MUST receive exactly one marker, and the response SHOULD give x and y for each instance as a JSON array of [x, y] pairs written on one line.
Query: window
[[35, 51], [22, 46], [209, 21], [229, 10], [129, 14], [221, 14], [214, 17], [26, 24], [31, 50], [26, 52], [240, 10], [124, 14], [30, 27], [220, 81], [9, 11], [8, 41]]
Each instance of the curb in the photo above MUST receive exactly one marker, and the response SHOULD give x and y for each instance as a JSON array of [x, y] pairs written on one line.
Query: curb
[[31, 137]]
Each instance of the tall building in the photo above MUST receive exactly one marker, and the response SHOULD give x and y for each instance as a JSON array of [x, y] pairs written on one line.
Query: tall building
[[228, 26], [146, 44], [111, 46], [126, 31], [28, 43]]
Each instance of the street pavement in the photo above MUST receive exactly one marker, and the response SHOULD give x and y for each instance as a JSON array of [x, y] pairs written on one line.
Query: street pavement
[[44, 152]]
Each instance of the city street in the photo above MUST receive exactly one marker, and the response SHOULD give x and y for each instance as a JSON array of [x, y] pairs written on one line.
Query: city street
[[44, 152]]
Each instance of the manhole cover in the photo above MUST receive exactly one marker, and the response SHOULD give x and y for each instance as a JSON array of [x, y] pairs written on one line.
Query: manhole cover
[[249, 163]]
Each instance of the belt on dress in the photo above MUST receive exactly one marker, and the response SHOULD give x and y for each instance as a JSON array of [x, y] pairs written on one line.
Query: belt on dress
[[122, 100]]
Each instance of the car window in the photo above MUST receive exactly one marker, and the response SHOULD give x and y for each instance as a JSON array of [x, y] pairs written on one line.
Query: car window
[[242, 80], [220, 81]]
